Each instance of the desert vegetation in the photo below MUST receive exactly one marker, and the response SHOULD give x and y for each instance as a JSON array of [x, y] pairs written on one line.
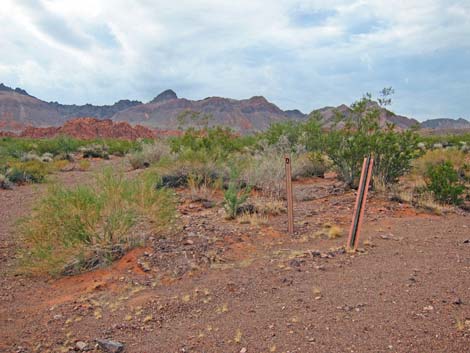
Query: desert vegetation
[[247, 171], [149, 213], [76, 229], [28, 160]]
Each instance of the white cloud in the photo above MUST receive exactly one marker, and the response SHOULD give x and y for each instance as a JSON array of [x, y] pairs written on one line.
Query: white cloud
[[299, 53]]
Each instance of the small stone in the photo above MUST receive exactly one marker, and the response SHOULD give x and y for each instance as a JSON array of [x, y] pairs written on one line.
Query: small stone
[[243, 350], [82, 346], [144, 266], [457, 301], [315, 253], [188, 242], [428, 308], [467, 241], [110, 346]]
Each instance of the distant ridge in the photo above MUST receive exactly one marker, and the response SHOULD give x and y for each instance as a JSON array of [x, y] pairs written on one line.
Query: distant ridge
[[19, 110], [446, 124]]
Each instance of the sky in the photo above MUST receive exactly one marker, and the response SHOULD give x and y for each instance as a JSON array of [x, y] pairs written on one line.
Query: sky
[[299, 54]]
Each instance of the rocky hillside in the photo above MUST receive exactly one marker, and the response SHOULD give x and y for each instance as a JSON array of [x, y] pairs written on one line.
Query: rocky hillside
[[328, 116], [446, 124], [19, 110], [166, 111]]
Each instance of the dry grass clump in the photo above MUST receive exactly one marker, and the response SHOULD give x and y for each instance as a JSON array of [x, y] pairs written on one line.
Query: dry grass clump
[[457, 158], [417, 196], [84, 165], [74, 229], [254, 219], [308, 164], [330, 231], [269, 206], [203, 188], [265, 171], [151, 153]]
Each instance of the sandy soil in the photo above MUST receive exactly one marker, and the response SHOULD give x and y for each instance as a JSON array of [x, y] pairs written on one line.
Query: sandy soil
[[221, 286]]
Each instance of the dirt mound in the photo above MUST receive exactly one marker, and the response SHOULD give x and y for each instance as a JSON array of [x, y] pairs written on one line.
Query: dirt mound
[[91, 128]]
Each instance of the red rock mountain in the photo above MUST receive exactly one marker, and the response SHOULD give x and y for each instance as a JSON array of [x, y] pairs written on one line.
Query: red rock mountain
[[91, 128]]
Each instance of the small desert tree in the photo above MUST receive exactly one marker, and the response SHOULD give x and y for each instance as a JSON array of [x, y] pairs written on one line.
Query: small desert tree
[[361, 135]]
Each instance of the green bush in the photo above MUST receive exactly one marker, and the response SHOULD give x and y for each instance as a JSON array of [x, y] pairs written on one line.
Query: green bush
[[32, 171], [235, 195], [443, 181], [75, 229], [217, 142], [362, 136]]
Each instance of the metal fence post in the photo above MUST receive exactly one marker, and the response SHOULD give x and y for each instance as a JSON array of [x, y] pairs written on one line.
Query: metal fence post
[[290, 201], [361, 199]]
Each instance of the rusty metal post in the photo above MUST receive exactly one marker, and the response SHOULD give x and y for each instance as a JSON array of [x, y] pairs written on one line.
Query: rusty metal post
[[361, 199], [290, 200]]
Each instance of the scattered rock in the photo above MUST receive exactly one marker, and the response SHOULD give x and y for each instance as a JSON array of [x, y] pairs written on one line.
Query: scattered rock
[[81, 346], [457, 301], [144, 266], [208, 204], [428, 308], [110, 346], [243, 350], [467, 241]]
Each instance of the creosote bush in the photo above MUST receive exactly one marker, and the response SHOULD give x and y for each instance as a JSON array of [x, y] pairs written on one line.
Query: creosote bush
[[75, 229], [362, 136], [443, 181]]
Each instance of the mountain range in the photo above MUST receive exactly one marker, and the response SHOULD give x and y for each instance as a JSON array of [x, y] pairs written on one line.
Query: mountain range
[[167, 111]]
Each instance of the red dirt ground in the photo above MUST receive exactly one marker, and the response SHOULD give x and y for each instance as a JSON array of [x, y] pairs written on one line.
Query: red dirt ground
[[221, 286]]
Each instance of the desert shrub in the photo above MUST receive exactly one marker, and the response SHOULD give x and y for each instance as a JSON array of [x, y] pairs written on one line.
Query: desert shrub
[[60, 164], [203, 188], [443, 181], [84, 165], [309, 164], [216, 142], [120, 147], [362, 136], [151, 153], [457, 141], [235, 195], [174, 172], [264, 170], [95, 151], [57, 145], [289, 130], [73, 229], [5, 183], [32, 171]]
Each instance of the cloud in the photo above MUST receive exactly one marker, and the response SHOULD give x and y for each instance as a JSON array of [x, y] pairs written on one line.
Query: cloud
[[299, 53]]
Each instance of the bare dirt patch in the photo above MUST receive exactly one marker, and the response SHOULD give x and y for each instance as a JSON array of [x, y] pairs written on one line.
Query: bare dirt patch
[[222, 286]]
